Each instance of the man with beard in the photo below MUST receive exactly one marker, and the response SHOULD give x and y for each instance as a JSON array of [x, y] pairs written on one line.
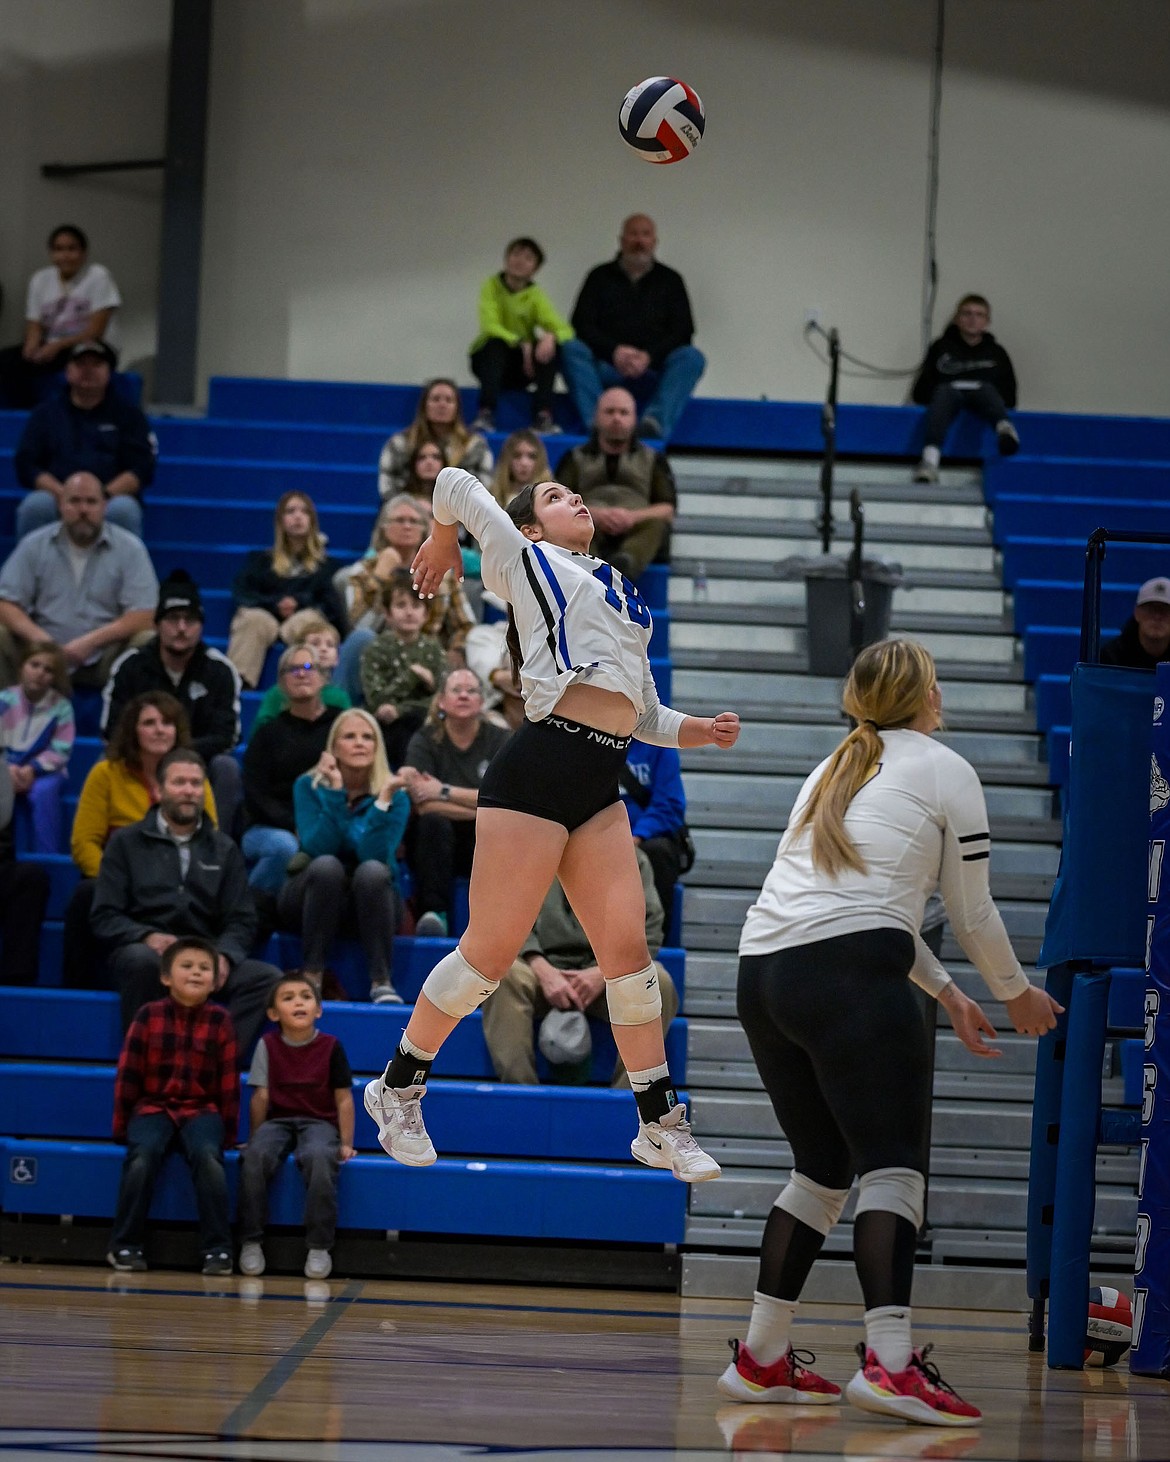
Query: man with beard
[[83, 582], [175, 874], [634, 327]]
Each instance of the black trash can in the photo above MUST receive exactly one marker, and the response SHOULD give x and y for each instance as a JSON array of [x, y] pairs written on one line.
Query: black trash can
[[829, 597]]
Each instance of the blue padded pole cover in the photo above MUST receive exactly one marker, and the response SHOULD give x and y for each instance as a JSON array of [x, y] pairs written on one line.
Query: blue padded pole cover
[[1076, 1160], [1151, 1297], [1045, 1126]]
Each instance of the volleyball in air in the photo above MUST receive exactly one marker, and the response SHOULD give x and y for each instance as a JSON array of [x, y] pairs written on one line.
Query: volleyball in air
[[662, 119]]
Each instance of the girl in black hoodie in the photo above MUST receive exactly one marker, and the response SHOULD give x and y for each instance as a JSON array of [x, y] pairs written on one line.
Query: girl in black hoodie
[[965, 367]]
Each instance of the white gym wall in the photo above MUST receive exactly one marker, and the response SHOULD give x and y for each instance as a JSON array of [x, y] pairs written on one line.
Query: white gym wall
[[368, 159]]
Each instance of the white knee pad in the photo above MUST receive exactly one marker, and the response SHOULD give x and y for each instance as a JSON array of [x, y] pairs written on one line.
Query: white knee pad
[[455, 987], [893, 1190], [634, 999], [818, 1207]]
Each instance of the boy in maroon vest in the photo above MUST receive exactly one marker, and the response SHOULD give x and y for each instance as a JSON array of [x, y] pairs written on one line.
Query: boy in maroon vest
[[301, 1100]]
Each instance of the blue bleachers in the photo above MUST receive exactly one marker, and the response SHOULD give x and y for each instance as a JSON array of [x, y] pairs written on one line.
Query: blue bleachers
[[1019, 515], [486, 1197], [83, 1025], [56, 1099]]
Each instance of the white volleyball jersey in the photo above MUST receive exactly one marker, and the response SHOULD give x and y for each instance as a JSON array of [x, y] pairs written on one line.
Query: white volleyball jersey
[[579, 620], [919, 822]]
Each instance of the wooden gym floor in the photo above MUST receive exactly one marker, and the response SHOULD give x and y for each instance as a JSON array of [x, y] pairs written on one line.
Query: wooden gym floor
[[169, 1365]]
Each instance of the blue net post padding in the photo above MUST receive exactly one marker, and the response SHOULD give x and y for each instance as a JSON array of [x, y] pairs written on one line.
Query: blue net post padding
[[1096, 919], [1098, 911], [1151, 1324], [1076, 1161], [1046, 1101]]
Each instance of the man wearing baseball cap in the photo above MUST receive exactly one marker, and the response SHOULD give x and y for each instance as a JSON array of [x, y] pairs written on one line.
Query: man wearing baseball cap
[[1145, 640], [201, 678], [85, 427]]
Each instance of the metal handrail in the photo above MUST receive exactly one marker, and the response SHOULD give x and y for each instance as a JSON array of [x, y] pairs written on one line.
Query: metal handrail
[[829, 432]]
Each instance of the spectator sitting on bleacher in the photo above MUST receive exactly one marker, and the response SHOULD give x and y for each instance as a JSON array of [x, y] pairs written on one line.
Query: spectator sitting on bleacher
[[557, 970], [68, 302], [123, 786], [401, 526], [634, 328], [439, 419], [314, 633], [201, 678], [175, 874], [83, 583], [626, 485], [86, 427], [351, 814], [24, 896], [519, 334], [523, 459], [300, 1100], [36, 738], [119, 790], [278, 752], [426, 462], [652, 789], [295, 573], [1145, 640], [965, 368], [448, 620], [444, 766], [401, 667], [177, 1085]]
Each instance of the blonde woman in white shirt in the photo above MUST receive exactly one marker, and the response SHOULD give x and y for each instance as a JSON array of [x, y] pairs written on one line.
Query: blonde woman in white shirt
[[827, 956], [69, 301], [549, 803]]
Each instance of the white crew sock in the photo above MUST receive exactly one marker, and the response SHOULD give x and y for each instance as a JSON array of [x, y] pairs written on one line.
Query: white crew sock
[[887, 1333], [768, 1328], [644, 1080], [931, 456]]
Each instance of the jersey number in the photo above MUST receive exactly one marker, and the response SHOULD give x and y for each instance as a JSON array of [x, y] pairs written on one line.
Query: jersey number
[[635, 606]]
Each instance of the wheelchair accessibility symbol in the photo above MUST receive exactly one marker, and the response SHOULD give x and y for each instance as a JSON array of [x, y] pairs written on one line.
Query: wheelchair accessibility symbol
[[22, 1170]]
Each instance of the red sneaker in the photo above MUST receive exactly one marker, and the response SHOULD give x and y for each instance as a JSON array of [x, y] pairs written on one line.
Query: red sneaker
[[786, 1380], [918, 1393]]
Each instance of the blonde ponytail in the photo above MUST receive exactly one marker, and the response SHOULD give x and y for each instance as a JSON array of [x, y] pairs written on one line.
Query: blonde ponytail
[[888, 687]]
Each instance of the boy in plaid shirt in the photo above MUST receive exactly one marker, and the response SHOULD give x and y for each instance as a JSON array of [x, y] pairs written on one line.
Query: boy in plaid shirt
[[177, 1084]]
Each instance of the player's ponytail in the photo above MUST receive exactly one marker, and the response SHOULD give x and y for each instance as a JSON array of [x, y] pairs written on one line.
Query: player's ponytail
[[522, 511], [888, 687]]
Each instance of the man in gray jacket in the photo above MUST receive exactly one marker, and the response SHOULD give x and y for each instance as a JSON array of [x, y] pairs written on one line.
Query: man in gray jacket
[[557, 970], [174, 874]]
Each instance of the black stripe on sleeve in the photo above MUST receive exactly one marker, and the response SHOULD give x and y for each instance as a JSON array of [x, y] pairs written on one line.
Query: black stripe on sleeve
[[975, 837], [975, 857], [545, 608]]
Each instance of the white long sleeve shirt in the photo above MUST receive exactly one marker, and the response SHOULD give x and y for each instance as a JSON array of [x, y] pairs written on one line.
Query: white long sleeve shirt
[[920, 821], [579, 620]]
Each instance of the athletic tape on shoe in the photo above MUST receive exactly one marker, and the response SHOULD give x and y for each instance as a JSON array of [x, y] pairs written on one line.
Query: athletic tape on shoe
[[455, 987], [818, 1208], [634, 999], [893, 1190]]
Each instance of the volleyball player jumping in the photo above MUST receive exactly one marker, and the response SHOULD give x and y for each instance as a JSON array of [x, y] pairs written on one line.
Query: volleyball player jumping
[[827, 954], [549, 804]]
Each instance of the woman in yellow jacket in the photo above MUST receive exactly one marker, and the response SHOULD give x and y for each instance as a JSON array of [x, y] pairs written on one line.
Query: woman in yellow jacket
[[119, 790]]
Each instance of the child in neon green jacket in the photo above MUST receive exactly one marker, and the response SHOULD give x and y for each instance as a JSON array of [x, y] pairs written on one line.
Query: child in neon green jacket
[[519, 336]]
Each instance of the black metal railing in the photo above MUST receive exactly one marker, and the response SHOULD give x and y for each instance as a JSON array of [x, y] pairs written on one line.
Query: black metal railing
[[829, 432]]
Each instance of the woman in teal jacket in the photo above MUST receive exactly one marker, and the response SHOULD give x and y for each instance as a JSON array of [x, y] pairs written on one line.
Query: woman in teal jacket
[[351, 813]]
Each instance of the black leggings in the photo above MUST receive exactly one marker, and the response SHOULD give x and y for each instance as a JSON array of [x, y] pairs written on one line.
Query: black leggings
[[843, 1051]]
